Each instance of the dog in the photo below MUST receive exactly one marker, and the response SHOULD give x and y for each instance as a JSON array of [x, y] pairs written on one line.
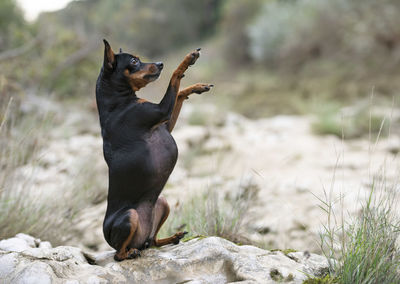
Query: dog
[[138, 148]]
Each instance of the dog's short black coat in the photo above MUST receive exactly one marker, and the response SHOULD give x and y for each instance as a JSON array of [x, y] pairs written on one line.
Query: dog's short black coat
[[138, 148]]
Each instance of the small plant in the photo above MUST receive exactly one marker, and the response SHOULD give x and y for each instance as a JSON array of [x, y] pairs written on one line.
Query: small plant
[[212, 214], [327, 279], [363, 248]]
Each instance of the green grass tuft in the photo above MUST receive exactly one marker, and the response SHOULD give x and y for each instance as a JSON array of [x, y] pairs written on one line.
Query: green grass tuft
[[327, 279], [367, 252]]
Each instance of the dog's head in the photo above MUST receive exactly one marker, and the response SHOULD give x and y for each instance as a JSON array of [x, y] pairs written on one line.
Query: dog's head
[[127, 70]]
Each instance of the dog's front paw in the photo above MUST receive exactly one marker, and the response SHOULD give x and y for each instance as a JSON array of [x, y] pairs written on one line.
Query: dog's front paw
[[191, 58], [201, 88], [178, 236]]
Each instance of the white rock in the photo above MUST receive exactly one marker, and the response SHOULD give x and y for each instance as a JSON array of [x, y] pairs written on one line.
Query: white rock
[[28, 239], [46, 245], [8, 263], [36, 272], [14, 244], [61, 253], [208, 260]]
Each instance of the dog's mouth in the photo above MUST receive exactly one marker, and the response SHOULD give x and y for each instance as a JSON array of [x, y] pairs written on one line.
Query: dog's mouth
[[152, 77]]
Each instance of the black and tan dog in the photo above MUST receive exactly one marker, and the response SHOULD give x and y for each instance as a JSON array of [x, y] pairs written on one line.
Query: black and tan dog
[[138, 148]]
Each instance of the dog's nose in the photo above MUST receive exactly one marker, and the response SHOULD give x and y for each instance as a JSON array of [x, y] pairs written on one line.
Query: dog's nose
[[160, 65]]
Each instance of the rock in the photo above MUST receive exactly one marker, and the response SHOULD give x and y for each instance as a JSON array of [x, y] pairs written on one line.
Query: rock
[[201, 260], [8, 263], [14, 244], [46, 245], [30, 241], [35, 272]]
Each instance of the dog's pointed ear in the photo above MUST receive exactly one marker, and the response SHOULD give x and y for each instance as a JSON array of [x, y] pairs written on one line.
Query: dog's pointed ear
[[109, 56]]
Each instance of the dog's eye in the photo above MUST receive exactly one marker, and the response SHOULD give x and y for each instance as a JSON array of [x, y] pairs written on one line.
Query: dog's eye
[[134, 61]]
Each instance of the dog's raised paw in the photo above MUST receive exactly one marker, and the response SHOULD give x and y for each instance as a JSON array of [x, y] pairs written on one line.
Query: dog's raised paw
[[201, 88], [193, 56]]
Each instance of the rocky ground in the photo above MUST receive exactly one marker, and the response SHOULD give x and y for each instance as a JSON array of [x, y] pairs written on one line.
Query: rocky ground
[[288, 167], [24, 259]]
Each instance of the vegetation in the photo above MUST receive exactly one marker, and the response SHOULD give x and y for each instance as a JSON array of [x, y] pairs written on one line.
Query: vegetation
[[212, 214], [327, 279], [330, 119], [281, 72], [68, 48], [20, 210], [363, 249], [261, 47]]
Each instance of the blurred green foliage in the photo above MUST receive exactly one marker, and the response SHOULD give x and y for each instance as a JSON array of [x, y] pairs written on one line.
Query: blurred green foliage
[[290, 56], [265, 56], [12, 24], [236, 42], [66, 57]]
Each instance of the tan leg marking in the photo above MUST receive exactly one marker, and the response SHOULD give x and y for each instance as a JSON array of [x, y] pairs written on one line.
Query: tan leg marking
[[123, 253], [189, 59], [183, 95], [163, 209]]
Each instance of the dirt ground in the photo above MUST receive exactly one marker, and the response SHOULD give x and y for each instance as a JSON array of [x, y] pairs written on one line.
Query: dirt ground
[[291, 167]]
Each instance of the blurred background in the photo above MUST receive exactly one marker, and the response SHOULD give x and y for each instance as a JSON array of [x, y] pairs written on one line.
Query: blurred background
[[306, 100]]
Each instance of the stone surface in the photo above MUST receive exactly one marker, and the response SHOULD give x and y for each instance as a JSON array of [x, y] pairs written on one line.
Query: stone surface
[[14, 244], [201, 260]]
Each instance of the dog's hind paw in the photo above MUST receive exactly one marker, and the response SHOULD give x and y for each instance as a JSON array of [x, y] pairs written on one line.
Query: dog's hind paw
[[133, 253], [178, 236]]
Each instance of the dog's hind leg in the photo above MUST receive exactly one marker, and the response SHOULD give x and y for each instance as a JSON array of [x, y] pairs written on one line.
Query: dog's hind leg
[[161, 212], [122, 231], [184, 95]]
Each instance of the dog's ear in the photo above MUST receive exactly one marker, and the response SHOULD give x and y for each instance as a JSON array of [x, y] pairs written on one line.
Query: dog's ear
[[109, 56]]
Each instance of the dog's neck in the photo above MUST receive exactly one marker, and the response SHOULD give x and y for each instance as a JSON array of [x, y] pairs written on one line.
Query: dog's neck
[[114, 89], [110, 96]]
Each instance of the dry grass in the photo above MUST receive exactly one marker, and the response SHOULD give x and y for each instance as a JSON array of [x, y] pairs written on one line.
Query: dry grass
[[21, 208], [213, 214], [20, 211]]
